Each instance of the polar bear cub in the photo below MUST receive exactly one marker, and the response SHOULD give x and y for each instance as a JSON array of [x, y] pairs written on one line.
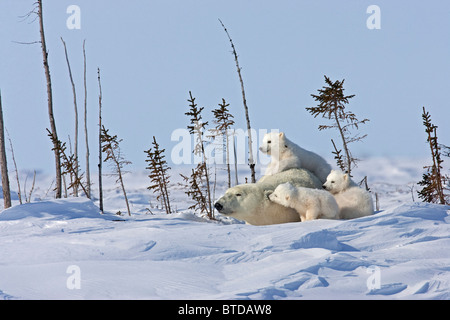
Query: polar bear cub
[[353, 201], [310, 203], [285, 155]]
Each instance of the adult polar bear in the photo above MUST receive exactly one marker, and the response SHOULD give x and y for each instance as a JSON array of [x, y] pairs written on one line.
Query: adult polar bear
[[287, 155], [250, 202]]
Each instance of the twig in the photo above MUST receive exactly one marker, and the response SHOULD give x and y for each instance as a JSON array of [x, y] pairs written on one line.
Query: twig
[[49, 188]]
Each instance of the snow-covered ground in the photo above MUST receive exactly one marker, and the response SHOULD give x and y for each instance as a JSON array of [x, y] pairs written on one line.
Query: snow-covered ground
[[64, 249]]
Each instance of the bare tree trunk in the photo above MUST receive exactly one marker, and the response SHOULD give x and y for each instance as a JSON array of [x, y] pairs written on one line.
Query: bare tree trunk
[[50, 102], [19, 193], [75, 189], [236, 181], [228, 157], [3, 163], [344, 143], [211, 211], [250, 142], [119, 172], [100, 142], [88, 174]]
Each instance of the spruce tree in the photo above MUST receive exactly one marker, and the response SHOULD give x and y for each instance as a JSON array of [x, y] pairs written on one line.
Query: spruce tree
[[433, 181], [332, 102], [159, 174], [69, 164], [199, 186], [224, 121], [111, 147]]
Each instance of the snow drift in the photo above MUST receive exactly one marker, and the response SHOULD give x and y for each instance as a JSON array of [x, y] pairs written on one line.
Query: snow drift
[[401, 252]]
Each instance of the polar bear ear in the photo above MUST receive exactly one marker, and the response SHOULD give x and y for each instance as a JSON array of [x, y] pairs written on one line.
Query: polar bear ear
[[345, 177], [281, 134], [287, 198]]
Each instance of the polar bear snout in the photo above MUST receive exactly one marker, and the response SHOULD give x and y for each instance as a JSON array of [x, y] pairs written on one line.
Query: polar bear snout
[[218, 206], [264, 149]]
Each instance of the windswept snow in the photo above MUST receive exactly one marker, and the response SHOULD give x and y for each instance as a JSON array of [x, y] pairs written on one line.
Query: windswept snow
[[401, 252]]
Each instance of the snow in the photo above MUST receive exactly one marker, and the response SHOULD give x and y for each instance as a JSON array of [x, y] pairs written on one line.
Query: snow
[[401, 252]]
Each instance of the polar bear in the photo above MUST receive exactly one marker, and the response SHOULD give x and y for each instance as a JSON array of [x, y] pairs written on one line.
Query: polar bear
[[250, 202], [310, 203], [287, 155], [353, 201]]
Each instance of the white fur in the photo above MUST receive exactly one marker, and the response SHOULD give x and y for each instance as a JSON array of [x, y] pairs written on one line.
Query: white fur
[[310, 204], [287, 155], [353, 201], [250, 202]]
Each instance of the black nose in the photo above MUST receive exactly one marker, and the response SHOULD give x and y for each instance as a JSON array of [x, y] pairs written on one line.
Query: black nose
[[324, 187], [218, 206]]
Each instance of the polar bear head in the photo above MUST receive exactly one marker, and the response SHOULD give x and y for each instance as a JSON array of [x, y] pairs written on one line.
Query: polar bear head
[[283, 194], [237, 199], [273, 143], [337, 181]]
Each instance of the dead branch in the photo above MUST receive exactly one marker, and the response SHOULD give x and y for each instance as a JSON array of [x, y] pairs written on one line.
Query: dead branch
[[244, 100]]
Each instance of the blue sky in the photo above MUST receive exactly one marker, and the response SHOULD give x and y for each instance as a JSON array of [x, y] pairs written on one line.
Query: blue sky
[[152, 53]]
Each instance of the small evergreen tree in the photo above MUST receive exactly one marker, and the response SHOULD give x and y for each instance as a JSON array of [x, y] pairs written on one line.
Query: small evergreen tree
[[197, 191], [110, 146], [200, 176], [433, 182], [224, 121], [331, 106], [68, 163], [158, 174]]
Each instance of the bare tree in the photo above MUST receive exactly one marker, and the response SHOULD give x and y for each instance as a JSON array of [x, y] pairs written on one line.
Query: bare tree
[[50, 101], [3, 163], [88, 173], [100, 184], [75, 190], [244, 100]]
